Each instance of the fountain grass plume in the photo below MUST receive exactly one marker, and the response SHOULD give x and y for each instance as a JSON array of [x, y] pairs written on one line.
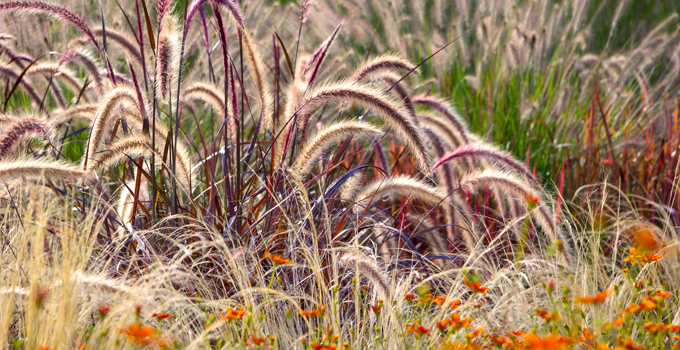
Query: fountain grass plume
[[89, 65], [390, 110], [60, 72], [401, 185], [511, 183], [136, 146], [36, 169], [368, 268], [55, 10], [452, 136], [387, 62], [448, 112], [122, 95], [168, 57], [207, 93], [259, 77], [324, 138], [391, 79], [84, 113], [21, 128], [118, 37], [488, 152]]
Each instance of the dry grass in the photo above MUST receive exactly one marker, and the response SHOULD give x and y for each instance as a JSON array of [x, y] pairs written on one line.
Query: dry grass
[[313, 203]]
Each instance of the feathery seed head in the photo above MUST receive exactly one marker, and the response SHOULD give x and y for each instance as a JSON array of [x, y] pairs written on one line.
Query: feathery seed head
[[317, 145], [167, 60], [390, 110], [387, 62]]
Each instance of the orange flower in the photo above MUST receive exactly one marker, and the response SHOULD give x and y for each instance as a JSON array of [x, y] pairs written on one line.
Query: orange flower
[[103, 310], [550, 286], [455, 304], [314, 313], [609, 325], [457, 322], [475, 286], [257, 340], [277, 259], [417, 329], [316, 346], [409, 297], [654, 328], [628, 345], [161, 315], [663, 294], [144, 336], [645, 238], [632, 308], [517, 333], [45, 347], [474, 334], [595, 299], [549, 317], [549, 342], [439, 300], [377, 308], [233, 314], [442, 325], [499, 340], [636, 256]]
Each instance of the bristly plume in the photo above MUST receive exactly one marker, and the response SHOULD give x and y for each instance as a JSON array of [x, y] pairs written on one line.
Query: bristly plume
[[317, 145], [84, 112], [117, 37], [124, 95], [305, 9], [60, 72], [129, 147], [484, 151], [369, 269], [446, 178], [388, 62], [259, 77], [391, 79], [443, 108], [510, 183], [89, 65], [167, 60], [15, 132], [401, 185], [391, 111], [58, 11], [35, 169], [161, 8], [453, 137], [210, 95]]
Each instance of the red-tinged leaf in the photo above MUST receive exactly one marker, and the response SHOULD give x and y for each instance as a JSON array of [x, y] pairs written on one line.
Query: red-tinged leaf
[[149, 29], [285, 52], [16, 83]]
